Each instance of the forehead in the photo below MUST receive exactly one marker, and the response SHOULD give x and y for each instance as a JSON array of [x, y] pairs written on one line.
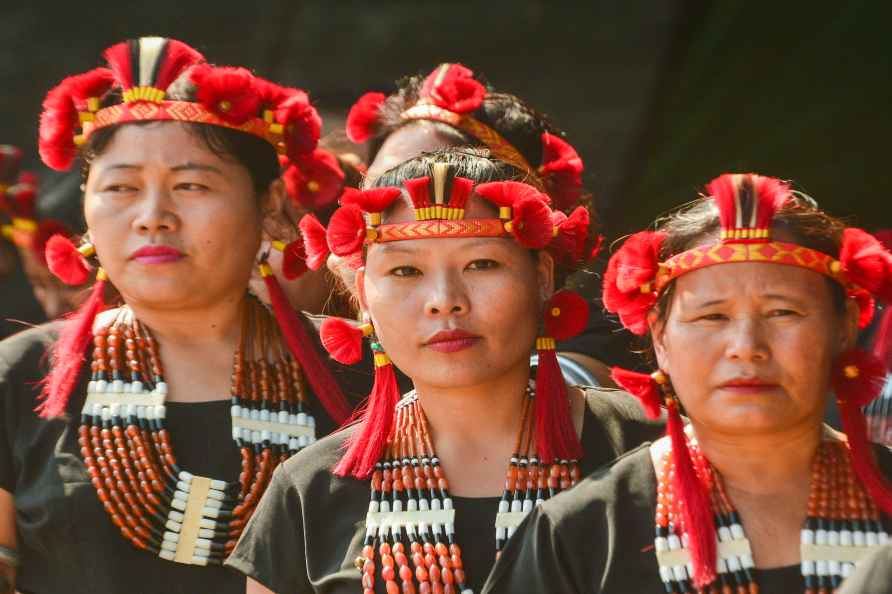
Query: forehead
[[165, 143], [407, 142], [741, 281]]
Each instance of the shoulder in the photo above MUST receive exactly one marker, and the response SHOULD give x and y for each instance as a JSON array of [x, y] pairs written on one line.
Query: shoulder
[[616, 421], [24, 354], [309, 472]]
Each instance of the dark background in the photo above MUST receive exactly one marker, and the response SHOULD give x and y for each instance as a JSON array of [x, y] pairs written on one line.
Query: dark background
[[658, 96]]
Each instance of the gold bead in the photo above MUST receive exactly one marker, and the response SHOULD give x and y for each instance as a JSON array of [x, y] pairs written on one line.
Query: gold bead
[[555, 311], [851, 371], [359, 563], [224, 106], [659, 377], [313, 185]]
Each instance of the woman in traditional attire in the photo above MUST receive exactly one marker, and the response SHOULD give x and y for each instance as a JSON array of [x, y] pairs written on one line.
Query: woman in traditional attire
[[455, 265], [137, 440], [753, 298]]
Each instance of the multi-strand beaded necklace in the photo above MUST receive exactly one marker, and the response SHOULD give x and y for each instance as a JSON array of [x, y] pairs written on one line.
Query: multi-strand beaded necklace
[[841, 527], [158, 506], [411, 518]]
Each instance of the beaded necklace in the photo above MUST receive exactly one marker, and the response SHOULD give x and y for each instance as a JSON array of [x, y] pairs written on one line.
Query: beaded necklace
[[842, 526], [411, 509], [158, 506]]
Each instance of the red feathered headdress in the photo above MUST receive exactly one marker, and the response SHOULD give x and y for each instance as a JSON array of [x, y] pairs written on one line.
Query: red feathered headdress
[[134, 88]]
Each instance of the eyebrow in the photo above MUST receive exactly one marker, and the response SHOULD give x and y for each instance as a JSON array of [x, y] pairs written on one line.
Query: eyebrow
[[188, 166], [774, 296], [394, 246]]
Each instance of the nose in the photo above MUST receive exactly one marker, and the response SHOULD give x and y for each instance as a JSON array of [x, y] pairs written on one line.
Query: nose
[[748, 341], [447, 296], [156, 212]]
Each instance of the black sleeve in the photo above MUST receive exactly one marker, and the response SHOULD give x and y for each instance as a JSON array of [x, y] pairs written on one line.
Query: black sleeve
[[622, 420], [270, 551], [7, 427], [535, 560]]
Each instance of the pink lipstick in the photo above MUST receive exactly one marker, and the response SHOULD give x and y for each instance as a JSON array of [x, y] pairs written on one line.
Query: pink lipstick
[[451, 341], [156, 254]]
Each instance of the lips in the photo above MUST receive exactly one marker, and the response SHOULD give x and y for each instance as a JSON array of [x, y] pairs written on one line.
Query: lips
[[748, 384], [156, 254], [451, 341]]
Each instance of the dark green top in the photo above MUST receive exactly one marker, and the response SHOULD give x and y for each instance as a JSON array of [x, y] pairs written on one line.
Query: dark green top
[[599, 537], [66, 540], [309, 527]]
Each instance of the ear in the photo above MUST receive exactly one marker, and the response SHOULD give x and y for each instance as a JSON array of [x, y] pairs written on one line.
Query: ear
[[359, 289], [545, 275], [657, 328], [850, 331], [276, 224]]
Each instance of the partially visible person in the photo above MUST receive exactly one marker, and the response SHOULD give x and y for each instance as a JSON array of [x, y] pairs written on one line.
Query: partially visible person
[[752, 298], [22, 225], [879, 412]]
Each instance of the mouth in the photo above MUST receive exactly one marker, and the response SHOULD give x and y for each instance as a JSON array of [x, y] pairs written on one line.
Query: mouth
[[156, 254], [451, 341], [748, 385]]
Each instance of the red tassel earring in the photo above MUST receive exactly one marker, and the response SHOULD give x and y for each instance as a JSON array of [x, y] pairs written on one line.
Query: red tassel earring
[[303, 347], [566, 315], [365, 446], [858, 379]]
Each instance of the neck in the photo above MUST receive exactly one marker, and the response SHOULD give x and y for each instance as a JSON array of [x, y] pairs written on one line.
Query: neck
[[195, 328], [752, 465], [459, 410]]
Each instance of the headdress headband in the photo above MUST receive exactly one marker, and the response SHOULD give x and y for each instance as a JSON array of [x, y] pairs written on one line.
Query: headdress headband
[[450, 95], [135, 85]]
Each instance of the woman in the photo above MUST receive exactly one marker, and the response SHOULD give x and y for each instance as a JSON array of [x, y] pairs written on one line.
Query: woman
[[456, 266], [142, 465], [21, 225], [453, 106], [752, 298]]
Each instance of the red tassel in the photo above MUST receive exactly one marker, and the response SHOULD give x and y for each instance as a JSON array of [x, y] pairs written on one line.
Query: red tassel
[[363, 119], [69, 353], [118, 59], [628, 289], [507, 193], [531, 223], [376, 199], [177, 58], [303, 348], [769, 195], [696, 509], [461, 191], [228, 92], [65, 261], [92, 84], [866, 307], [45, 230], [419, 191], [453, 87], [57, 124], [315, 242], [365, 446], [556, 437], [342, 340], [346, 231], [301, 125], [643, 387], [566, 315]]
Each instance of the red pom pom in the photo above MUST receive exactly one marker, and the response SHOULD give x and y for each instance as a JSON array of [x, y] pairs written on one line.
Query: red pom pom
[[866, 262], [531, 223], [271, 94], [57, 125], [507, 193], [315, 241], [375, 199], [342, 340], [45, 230], [561, 170], [566, 315], [572, 234], [294, 260], [301, 125], [178, 57], [858, 377], [643, 387], [63, 260], [94, 83], [627, 289], [453, 87], [866, 307], [362, 121], [419, 191], [346, 231], [228, 92], [315, 181], [768, 193]]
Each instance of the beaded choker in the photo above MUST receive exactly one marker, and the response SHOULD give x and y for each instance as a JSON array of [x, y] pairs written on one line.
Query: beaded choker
[[842, 526], [158, 506], [411, 509]]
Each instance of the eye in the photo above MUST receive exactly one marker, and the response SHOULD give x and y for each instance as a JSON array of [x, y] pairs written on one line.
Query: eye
[[405, 271], [482, 264], [781, 313], [118, 188], [191, 187], [713, 317]]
